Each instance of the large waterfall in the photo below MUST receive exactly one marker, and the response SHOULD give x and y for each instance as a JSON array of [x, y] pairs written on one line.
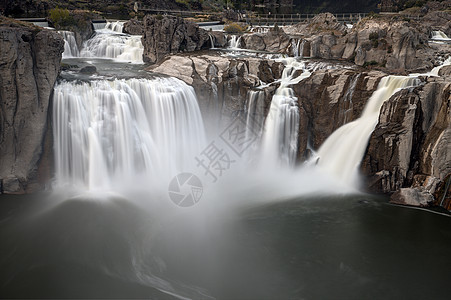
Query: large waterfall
[[341, 154], [109, 133]]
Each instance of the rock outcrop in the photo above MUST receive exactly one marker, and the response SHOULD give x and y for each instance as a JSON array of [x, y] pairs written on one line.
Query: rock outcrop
[[275, 40], [133, 27], [221, 83], [169, 35], [337, 94], [409, 151], [29, 65], [396, 44]]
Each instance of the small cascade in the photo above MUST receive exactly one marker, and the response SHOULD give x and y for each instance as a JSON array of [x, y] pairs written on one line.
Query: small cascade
[[341, 154], [297, 47], [282, 123], [99, 25], [439, 35], [434, 71], [347, 98], [123, 47], [255, 116], [70, 44], [212, 41], [109, 134], [117, 26], [234, 42]]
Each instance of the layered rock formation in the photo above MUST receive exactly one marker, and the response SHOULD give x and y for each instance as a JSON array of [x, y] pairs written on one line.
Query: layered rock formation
[[133, 27], [397, 43], [221, 83], [169, 35], [409, 152], [275, 40], [29, 65]]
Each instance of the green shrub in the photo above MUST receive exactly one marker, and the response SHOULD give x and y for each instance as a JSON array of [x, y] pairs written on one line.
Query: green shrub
[[370, 63], [61, 17], [234, 28], [374, 36]]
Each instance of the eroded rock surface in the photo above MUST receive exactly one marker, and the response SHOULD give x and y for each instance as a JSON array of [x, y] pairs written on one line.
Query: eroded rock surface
[[170, 35], [29, 65]]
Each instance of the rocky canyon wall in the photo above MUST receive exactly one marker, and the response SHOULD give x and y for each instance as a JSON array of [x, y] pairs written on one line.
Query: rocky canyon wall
[[29, 65]]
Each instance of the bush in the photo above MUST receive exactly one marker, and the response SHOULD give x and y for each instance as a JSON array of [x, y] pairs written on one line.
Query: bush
[[370, 63], [61, 17], [234, 28]]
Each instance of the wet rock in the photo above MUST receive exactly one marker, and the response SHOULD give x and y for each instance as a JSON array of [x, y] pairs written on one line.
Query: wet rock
[[29, 65], [133, 27], [219, 39], [275, 40], [410, 146], [412, 196], [338, 95], [88, 70], [165, 35]]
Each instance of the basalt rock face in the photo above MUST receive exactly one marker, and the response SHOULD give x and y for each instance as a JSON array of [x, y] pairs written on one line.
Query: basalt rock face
[[339, 95], [397, 44], [169, 35], [275, 40], [29, 65], [133, 27], [409, 152], [221, 83]]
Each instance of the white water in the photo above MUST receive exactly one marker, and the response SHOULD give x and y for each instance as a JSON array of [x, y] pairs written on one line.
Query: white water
[[342, 152], [99, 25], [235, 42], [298, 47], [282, 123], [109, 134], [108, 44], [70, 44], [439, 35], [117, 26]]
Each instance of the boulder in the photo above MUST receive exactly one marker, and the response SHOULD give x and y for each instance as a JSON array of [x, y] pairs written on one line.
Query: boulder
[[29, 65], [275, 40], [133, 27], [169, 35]]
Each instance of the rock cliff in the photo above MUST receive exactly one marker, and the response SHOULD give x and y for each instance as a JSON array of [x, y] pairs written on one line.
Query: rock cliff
[[409, 152], [29, 65], [166, 35]]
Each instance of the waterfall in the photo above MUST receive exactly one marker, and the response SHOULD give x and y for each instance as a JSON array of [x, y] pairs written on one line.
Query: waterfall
[[212, 42], [347, 98], [439, 35], [282, 123], [117, 26], [298, 47], [109, 134], [123, 47], [70, 44], [341, 154], [434, 71], [255, 117], [99, 25], [235, 42]]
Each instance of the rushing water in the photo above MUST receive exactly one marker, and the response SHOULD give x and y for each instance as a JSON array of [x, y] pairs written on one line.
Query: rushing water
[[108, 133], [343, 151], [109, 229]]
